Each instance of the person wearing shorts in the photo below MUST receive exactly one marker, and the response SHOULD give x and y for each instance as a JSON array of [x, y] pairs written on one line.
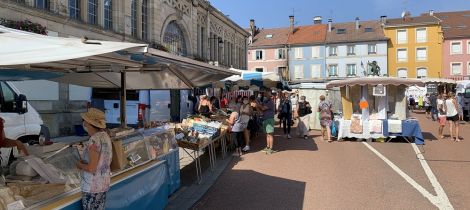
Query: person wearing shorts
[[452, 116], [268, 109], [441, 115]]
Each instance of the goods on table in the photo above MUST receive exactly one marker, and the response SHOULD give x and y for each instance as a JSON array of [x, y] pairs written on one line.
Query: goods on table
[[196, 131]]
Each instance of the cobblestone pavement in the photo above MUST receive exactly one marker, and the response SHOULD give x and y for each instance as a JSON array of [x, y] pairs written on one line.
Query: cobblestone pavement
[[314, 174]]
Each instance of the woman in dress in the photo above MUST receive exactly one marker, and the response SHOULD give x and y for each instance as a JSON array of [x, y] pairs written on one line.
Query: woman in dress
[[95, 161], [324, 108]]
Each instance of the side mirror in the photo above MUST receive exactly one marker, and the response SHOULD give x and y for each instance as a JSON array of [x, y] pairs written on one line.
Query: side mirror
[[22, 104]]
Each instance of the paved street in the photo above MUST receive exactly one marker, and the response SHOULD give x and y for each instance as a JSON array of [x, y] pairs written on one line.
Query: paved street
[[313, 174]]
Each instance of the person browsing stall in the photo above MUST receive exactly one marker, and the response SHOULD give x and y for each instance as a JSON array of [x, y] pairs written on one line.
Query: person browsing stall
[[268, 110], [5, 142], [237, 127], [95, 162]]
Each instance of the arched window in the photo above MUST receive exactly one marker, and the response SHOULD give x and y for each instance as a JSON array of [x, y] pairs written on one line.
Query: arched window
[[421, 72], [402, 73], [173, 39]]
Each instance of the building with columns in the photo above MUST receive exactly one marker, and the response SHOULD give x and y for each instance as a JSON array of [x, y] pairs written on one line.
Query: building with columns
[[189, 28]]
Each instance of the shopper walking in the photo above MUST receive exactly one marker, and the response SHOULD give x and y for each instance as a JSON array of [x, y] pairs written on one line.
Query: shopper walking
[[95, 161], [420, 102], [268, 108], [325, 110], [303, 111], [412, 103], [246, 112], [442, 116], [427, 106], [452, 116], [285, 113], [434, 112]]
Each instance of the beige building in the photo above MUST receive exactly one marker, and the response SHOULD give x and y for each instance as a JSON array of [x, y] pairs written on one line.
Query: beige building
[[190, 28]]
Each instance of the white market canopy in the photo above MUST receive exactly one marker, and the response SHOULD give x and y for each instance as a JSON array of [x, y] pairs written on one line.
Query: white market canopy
[[438, 80], [94, 63], [375, 81]]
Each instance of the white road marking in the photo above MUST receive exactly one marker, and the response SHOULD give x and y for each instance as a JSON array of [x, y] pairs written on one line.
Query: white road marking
[[441, 200], [437, 187]]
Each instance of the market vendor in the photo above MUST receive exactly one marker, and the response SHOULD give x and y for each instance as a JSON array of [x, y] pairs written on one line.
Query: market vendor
[[205, 106], [95, 161], [5, 142]]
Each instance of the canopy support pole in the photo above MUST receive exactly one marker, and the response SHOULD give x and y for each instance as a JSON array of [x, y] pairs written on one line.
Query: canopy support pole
[[123, 100]]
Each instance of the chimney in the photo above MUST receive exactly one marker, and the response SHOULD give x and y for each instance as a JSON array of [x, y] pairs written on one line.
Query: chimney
[[431, 12], [383, 19], [291, 27], [252, 24], [317, 20], [357, 23], [330, 21]]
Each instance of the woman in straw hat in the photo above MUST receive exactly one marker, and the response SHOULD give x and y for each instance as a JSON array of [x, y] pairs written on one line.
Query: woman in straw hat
[[96, 161]]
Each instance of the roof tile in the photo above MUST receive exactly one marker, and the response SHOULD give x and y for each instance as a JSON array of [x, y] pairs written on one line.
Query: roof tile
[[455, 24], [346, 32], [310, 34]]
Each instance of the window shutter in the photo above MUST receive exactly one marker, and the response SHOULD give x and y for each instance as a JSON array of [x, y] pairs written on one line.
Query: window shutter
[[264, 55], [253, 55]]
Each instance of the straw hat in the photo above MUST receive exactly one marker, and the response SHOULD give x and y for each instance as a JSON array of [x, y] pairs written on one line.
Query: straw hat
[[94, 117]]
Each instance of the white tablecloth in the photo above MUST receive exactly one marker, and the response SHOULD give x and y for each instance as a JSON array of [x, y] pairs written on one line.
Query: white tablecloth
[[344, 131]]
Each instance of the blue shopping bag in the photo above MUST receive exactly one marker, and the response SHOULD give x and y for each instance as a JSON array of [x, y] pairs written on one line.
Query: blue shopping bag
[[334, 129]]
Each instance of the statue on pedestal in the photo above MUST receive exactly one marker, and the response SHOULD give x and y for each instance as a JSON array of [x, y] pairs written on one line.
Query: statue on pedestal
[[374, 69]]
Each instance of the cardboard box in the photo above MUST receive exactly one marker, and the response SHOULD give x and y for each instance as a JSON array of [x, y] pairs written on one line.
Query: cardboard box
[[119, 161]]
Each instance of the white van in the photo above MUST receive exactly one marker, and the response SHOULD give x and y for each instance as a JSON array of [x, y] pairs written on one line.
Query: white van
[[22, 121], [463, 88]]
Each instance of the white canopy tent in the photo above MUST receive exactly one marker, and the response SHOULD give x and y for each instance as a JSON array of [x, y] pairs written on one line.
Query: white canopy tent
[[102, 64]]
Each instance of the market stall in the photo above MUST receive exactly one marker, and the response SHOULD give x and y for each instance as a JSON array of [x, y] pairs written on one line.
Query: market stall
[[376, 108], [145, 163], [197, 133]]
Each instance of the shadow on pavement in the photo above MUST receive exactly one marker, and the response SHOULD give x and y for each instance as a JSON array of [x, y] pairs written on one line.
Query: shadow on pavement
[[247, 189], [429, 136]]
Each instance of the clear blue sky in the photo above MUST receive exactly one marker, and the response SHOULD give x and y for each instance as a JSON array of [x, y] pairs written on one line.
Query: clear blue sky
[[275, 13]]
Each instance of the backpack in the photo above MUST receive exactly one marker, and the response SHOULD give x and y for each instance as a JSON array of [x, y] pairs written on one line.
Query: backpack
[[303, 109]]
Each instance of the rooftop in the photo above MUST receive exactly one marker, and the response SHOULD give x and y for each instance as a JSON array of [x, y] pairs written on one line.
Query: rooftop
[[455, 24], [310, 34], [346, 32], [411, 21], [270, 37]]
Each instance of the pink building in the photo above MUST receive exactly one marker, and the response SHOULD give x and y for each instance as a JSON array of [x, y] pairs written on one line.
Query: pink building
[[267, 50], [456, 58]]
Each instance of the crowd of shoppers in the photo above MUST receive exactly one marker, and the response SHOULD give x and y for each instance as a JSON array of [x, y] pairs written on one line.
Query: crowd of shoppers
[[255, 114]]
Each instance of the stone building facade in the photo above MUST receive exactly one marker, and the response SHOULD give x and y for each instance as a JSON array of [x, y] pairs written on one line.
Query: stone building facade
[[189, 28]]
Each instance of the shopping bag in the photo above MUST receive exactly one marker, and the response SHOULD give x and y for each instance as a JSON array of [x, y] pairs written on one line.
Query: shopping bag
[[334, 130]]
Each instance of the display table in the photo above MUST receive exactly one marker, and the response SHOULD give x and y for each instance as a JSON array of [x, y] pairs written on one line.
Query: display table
[[195, 151], [409, 128]]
